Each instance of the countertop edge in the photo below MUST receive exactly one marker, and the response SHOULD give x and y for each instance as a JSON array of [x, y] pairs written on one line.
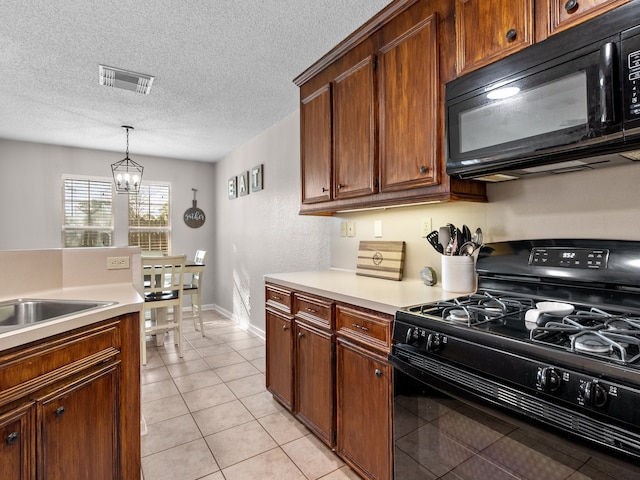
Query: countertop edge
[[127, 297], [385, 296]]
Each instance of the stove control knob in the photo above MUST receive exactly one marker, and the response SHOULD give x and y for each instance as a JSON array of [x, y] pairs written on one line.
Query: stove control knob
[[413, 336], [593, 394], [548, 379], [434, 342]]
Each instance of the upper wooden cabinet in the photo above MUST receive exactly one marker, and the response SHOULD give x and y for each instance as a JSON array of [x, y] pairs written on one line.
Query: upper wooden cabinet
[[408, 86], [372, 114], [354, 126], [487, 30], [554, 16], [315, 131]]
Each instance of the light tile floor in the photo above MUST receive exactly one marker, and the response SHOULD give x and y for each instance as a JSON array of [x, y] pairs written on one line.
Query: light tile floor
[[210, 417]]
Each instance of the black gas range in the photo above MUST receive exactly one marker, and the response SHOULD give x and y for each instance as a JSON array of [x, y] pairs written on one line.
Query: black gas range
[[576, 369]]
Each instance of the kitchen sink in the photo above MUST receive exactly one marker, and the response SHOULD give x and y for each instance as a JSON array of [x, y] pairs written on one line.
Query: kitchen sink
[[24, 312]]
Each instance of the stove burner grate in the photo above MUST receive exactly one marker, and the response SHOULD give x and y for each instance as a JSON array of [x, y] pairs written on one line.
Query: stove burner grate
[[594, 332]]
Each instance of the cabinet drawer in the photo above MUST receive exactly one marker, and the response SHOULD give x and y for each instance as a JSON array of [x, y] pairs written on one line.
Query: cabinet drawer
[[279, 298], [33, 367], [313, 310], [365, 327]]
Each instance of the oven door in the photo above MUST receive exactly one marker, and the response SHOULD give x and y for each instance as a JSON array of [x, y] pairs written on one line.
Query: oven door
[[441, 433], [535, 118]]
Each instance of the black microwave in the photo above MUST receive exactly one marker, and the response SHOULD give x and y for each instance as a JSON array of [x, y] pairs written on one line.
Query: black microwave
[[571, 102]]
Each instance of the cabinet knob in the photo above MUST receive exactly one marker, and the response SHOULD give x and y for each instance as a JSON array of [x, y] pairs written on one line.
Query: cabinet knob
[[12, 438], [511, 34], [300, 334], [60, 411], [378, 372], [571, 5], [423, 169], [285, 328]]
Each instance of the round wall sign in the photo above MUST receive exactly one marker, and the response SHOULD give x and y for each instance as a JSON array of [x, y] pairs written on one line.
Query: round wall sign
[[194, 217]]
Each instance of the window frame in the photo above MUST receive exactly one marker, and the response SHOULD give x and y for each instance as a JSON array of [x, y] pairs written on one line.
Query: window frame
[[161, 248], [86, 228]]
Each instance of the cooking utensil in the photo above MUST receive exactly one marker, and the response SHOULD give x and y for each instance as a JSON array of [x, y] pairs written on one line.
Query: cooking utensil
[[444, 236], [466, 233], [459, 241], [432, 238], [467, 248], [477, 237]]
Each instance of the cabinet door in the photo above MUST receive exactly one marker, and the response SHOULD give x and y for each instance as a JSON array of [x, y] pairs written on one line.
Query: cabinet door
[[408, 88], [354, 128], [315, 380], [79, 426], [363, 385], [315, 141], [487, 30], [279, 362], [17, 444], [563, 14]]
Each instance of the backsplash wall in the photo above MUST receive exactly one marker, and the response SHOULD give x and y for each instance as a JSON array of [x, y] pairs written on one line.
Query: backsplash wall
[[594, 204]]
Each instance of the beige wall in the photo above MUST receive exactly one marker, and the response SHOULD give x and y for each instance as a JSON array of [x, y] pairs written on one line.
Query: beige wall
[[597, 204]]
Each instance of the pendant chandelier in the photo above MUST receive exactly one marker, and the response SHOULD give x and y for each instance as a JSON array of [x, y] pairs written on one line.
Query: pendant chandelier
[[127, 174]]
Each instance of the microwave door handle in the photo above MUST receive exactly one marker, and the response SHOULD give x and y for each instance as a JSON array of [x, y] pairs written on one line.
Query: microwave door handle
[[607, 84]]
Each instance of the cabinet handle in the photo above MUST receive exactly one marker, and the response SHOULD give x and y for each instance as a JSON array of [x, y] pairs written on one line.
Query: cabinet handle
[[341, 186], [300, 334], [571, 5], [378, 372], [275, 297], [360, 327], [423, 169], [60, 411], [12, 438], [511, 34], [324, 189], [310, 310], [285, 328]]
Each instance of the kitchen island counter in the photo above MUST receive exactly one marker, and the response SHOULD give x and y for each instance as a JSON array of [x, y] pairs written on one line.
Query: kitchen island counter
[[377, 294], [125, 296]]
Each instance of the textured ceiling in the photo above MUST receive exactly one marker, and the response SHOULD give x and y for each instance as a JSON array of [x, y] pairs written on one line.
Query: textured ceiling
[[223, 69]]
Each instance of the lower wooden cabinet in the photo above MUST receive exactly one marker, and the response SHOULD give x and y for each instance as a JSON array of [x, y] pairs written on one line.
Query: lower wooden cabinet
[[78, 434], [279, 361], [327, 364], [17, 443], [364, 402], [70, 405], [314, 385]]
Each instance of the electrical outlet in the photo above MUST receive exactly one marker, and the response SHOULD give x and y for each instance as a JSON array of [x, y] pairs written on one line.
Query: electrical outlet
[[117, 263], [343, 229], [351, 229], [425, 227]]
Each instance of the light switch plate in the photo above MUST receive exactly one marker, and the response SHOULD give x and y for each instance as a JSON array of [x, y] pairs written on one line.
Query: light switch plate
[[343, 229], [377, 228]]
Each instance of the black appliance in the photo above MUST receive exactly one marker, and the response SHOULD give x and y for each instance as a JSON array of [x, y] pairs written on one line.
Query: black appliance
[[475, 379], [573, 104]]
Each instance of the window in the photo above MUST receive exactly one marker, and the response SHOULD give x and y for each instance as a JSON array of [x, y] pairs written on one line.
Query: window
[[88, 212], [150, 218]]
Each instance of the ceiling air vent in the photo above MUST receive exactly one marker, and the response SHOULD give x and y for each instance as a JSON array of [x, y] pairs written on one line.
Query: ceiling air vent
[[116, 77]]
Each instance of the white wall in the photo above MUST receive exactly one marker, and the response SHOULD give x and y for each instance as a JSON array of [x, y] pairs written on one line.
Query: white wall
[[262, 232], [31, 195]]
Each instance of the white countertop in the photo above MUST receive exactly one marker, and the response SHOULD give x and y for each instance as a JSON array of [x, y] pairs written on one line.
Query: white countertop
[[127, 298], [381, 295]]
